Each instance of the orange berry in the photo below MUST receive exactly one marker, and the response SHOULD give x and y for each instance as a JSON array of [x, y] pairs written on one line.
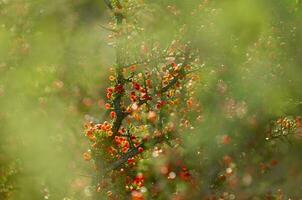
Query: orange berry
[[133, 97], [136, 116], [136, 195], [107, 106], [109, 95], [86, 156], [87, 102], [90, 135], [94, 145], [190, 103], [109, 90], [298, 121], [111, 78], [110, 133], [148, 83], [274, 162], [152, 116], [225, 139], [132, 68]]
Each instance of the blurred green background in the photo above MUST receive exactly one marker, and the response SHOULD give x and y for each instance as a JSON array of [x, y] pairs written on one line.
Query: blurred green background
[[54, 60]]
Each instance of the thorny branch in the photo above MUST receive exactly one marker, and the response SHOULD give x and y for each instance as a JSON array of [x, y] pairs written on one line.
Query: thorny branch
[[135, 151], [121, 81], [118, 122]]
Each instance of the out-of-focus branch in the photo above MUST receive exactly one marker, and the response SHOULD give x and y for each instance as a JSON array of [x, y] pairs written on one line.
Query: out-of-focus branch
[[135, 151], [108, 3], [146, 61], [107, 28], [117, 11]]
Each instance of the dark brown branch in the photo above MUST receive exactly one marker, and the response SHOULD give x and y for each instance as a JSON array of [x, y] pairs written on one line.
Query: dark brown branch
[[121, 161], [134, 152], [176, 78], [170, 84], [120, 115]]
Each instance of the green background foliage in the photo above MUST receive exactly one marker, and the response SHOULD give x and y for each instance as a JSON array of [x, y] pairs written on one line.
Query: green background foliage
[[54, 61]]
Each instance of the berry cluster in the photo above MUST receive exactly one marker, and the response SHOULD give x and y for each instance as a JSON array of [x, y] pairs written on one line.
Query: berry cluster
[[146, 107], [285, 126]]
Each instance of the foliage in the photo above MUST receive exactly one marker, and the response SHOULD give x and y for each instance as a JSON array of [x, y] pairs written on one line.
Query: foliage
[[230, 130]]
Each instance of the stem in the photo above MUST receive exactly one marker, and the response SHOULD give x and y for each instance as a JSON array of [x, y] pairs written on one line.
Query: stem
[[133, 152]]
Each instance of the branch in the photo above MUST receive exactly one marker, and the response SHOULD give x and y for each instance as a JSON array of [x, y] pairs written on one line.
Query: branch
[[120, 81], [176, 78], [107, 28], [146, 61], [133, 152], [108, 3], [118, 15], [170, 84]]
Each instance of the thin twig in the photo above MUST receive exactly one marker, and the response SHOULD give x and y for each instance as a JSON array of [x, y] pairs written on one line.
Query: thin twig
[[133, 152], [108, 3], [108, 29], [147, 61]]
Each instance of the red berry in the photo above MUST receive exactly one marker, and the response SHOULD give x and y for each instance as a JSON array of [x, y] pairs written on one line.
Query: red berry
[[136, 86], [130, 160], [119, 88], [140, 149], [112, 114]]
